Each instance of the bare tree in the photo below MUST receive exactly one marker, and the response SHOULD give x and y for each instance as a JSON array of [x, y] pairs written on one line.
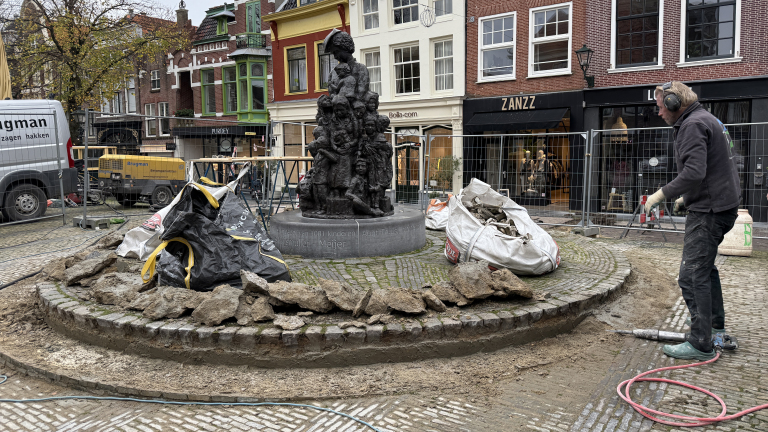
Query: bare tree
[[84, 49]]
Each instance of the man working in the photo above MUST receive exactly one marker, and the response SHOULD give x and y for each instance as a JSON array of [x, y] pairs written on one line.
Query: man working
[[708, 182]]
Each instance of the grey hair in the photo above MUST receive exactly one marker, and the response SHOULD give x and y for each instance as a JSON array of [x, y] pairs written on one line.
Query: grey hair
[[685, 93]]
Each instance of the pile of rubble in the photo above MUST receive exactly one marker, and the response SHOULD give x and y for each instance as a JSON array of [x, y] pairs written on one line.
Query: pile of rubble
[[492, 215], [101, 276]]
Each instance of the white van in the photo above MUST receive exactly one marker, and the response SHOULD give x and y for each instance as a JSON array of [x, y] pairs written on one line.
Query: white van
[[30, 155]]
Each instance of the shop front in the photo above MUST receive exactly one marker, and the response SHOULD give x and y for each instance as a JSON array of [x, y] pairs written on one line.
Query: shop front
[[633, 155], [425, 136], [529, 147]]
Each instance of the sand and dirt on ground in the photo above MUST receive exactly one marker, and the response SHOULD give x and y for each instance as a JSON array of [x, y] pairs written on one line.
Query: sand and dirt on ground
[[574, 361]]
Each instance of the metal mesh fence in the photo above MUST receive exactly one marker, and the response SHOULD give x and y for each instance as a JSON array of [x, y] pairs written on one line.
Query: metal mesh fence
[[543, 172], [38, 178], [627, 165], [598, 177]]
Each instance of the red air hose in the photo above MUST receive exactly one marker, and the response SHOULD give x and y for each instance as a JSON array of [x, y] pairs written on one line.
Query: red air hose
[[690, 421]]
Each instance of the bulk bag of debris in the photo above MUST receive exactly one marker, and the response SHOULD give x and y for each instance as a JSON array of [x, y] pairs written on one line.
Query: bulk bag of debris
[[485, 225], [208, 241], [437, 214], [141, 241]]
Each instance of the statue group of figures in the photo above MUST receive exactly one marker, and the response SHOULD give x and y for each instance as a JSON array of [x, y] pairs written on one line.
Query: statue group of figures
[[352, 157]]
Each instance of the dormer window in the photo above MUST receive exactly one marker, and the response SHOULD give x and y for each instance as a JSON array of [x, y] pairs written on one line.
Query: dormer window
[[221, 26]]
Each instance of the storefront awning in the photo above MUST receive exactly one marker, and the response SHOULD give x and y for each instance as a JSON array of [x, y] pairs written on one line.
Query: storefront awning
[[515, 120]]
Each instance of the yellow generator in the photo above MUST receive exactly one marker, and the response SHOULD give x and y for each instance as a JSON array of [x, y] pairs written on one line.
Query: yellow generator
[[146, 178]]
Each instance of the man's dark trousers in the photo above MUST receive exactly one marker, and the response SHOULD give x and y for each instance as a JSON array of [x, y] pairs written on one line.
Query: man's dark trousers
[[699, 279]]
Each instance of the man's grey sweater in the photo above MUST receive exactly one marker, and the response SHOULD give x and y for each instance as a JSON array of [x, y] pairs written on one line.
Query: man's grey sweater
[[707, 177]]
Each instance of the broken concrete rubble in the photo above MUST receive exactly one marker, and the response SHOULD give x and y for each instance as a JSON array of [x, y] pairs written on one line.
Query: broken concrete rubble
[[472, 279], [88, 267], [405, 300], [303, 295], [341, 294], [116, 288], [220, 306], [287, 322]]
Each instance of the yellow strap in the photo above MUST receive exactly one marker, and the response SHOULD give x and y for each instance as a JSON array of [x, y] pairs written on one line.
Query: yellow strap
[[274, 258], [210, 182], [214, 202], [149, 266]]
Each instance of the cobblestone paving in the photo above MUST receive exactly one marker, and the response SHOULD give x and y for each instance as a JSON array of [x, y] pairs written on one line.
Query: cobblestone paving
[[738, 378]]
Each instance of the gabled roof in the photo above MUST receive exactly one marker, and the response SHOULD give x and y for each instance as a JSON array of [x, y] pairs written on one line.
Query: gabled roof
[[207, 28], [148, 23]]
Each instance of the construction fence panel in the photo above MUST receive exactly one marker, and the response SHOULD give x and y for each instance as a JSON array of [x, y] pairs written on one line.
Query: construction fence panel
[[144, 161], [543, 172], [38, 176], [627, 165]]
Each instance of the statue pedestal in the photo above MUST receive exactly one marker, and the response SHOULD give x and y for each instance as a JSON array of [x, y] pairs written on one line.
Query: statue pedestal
[[402, 232]]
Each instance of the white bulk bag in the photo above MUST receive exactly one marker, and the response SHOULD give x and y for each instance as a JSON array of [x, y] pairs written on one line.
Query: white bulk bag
[[532, 252], [437, 214]]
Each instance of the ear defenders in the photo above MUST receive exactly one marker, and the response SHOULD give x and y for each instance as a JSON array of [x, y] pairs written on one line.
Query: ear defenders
[[671, 101]]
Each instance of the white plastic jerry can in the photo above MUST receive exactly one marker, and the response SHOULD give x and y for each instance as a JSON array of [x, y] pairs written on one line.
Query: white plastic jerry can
[[738, 241]]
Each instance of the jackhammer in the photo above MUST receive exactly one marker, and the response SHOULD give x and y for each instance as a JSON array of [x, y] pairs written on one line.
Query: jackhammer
[[721, 341]]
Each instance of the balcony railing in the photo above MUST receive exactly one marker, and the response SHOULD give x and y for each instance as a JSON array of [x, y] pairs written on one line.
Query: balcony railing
[[251, 41]]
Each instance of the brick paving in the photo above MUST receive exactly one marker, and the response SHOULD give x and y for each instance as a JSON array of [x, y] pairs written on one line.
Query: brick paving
[[737, 377]]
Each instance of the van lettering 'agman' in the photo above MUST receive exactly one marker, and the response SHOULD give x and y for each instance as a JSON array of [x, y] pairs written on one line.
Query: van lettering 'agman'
[[518, 103], [10, 125]]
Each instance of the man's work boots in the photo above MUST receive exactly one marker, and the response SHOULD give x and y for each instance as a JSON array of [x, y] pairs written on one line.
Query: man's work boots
[[686, 351], [714, 330]]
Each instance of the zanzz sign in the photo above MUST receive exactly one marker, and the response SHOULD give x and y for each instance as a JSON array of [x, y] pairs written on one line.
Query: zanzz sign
[[518, 103]]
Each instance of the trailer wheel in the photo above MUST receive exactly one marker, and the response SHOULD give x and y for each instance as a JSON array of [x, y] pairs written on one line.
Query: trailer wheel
[[25, 202], [126, 200], [162, 196]]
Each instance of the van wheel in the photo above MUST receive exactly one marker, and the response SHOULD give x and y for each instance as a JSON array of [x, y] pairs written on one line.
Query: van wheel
[[162, 196], [25, 202]]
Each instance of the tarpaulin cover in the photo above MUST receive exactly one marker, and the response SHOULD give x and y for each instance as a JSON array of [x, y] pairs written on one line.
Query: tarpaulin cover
[[221, 241], [532, 252]]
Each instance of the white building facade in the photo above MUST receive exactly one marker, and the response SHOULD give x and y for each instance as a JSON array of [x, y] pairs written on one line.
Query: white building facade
[[415, 58]]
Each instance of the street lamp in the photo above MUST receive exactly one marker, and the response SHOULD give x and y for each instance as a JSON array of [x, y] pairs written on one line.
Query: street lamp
[[584, 55], [79, 118]]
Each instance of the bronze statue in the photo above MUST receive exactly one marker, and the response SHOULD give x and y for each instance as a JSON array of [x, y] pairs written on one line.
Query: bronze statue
[[353, 159]]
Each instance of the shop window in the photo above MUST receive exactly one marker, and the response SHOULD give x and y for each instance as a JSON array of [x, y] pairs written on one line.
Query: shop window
[[637, 32], [550, 41], [440, 161], [407, 73], [297, 69], [326, 63], [372, 61], [230, 89], [443, 7], [209, 91], [370, 14], [405, 11], [443, 65], [710, 29], [306, 2], [497, 47], [151, 123], [253, 17], [154, 80]]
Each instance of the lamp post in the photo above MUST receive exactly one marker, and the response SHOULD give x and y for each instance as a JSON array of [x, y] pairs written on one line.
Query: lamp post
[[81, 117], [584, 55]]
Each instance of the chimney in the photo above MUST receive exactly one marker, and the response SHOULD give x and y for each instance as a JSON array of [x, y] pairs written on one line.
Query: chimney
[[182, 16], [130, 13]]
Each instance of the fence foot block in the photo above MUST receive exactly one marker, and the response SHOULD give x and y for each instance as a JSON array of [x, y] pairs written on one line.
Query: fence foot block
[[587, 231]]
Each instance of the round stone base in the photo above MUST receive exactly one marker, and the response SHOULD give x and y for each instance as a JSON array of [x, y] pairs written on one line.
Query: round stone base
[[402, 232]]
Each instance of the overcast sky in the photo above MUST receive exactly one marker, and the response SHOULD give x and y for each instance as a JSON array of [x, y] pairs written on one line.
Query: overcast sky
[[196, 8]]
